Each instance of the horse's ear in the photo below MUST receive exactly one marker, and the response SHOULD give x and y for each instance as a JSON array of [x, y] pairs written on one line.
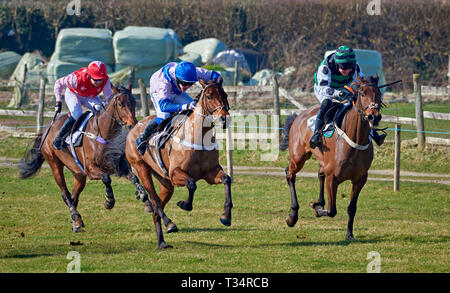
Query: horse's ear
[[360, 79], [202, 82], [220, 80], [376, 78], [114, 89], [130, 86]]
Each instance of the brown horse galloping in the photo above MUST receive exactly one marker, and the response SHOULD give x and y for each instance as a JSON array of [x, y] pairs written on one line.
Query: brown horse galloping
[[120, 111], [345, 156], [190, 154]]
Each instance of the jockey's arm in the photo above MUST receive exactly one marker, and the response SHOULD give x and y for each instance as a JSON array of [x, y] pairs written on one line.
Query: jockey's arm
[[205, 74], [68, 81], [166, 105], [323, 87]]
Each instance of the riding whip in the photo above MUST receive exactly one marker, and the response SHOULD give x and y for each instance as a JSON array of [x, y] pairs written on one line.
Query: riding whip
[[381, 86], [48, 130]]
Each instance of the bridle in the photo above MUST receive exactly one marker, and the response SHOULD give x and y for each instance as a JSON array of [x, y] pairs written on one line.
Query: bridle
[[358, 105], [116, 112], [206, 110]]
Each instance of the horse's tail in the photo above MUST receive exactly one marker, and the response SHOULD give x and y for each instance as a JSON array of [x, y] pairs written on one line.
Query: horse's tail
[[32, 161], [287, 126], [114, 155]]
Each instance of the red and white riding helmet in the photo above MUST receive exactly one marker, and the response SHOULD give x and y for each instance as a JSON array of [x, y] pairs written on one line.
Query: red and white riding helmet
[[97, 70]]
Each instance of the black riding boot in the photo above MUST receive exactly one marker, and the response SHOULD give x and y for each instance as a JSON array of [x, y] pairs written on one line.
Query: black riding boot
[[315, 139], [378, 138], [59, 139], [141, 141]]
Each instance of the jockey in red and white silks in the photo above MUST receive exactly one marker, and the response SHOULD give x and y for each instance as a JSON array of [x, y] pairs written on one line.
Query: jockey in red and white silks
[[81, 87]]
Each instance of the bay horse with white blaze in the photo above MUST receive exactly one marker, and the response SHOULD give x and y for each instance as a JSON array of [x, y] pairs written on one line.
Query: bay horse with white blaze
[[189, 154], [346, 155], [119, 112]]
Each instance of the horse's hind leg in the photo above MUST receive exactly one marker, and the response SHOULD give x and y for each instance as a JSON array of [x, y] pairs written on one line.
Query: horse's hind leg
[[145, 174], [58, 173], [166, 190], [78, 187], [296, 163], [351, 209]]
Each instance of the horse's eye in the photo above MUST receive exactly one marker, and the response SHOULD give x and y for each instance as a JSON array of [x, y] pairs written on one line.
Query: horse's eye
[[209, 97], [120, 104]]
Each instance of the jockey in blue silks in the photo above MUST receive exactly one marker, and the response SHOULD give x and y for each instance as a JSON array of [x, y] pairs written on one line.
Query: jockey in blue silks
[[168, 93]]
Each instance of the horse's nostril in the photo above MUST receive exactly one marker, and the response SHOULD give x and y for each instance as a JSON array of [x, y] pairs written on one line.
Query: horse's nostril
[[370, 117]]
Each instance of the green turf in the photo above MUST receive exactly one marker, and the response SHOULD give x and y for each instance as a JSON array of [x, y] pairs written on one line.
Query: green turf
[[409, 229]]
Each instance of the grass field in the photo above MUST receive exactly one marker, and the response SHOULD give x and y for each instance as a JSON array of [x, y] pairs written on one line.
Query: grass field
[[409, 229]]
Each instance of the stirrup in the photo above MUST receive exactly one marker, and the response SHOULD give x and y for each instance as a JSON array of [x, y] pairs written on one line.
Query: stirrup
[[141, 145]]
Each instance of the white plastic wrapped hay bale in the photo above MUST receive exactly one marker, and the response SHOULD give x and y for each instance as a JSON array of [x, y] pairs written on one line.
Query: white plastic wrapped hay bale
[[145, 46], [8, 62], [191, 57], [83, 45], [207, 48], [35, 67]]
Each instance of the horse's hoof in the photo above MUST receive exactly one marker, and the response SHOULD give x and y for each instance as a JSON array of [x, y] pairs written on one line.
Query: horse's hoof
[[317, 209], [350, 237], [184, 206], [225, 220], [163, 246], [78, 229], [172, 228], [291, 220], [109, 204]]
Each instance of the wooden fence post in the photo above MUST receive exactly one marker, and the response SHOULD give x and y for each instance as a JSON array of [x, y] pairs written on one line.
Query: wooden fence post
[[24, 86], [397, 157], [276, 107], [144, 100], [229, 138], [419, 113], [40, 113]]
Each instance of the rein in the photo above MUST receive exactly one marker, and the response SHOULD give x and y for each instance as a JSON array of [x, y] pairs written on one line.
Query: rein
[[120, 122]]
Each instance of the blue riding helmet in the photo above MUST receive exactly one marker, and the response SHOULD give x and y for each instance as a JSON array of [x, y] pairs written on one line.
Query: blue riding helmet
[[186, 72]]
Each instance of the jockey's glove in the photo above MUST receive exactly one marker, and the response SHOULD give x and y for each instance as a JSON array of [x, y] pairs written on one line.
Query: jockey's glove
[[58, 107], [189, 106], [343, 95]]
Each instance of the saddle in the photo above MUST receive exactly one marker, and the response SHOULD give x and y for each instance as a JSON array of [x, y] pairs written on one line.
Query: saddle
[[334, 116], [164, 129], [163, 133], [77, 131]]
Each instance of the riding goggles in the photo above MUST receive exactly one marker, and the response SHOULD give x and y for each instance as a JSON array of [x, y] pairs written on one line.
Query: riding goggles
[[184, 83]]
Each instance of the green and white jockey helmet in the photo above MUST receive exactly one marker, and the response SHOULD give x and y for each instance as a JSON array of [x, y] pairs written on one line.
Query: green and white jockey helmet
[[345, 57]]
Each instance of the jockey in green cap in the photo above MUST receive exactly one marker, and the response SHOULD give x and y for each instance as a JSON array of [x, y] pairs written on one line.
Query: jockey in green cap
[[336, 71]]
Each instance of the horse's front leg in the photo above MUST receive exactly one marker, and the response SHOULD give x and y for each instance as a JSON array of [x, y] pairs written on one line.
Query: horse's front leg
[[351, 209], [110, 200], [320, 203], [217, 177], [181, 178], [94, 173]]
